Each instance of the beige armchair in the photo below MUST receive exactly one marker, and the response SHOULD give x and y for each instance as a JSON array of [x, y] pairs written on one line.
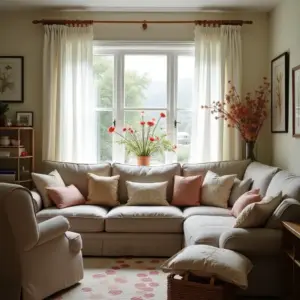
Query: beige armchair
[[36, 260]]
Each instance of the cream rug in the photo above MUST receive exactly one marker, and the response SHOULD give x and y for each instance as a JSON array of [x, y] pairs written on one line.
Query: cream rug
[[119, 279]]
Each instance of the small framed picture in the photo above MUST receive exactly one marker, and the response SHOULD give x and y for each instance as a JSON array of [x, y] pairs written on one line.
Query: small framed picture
[[24, 118], [280, 93], [296, 101]]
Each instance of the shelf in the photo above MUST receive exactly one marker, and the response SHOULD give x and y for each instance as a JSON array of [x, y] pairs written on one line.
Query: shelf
[[16, 157], [21, 146], [16, 128]]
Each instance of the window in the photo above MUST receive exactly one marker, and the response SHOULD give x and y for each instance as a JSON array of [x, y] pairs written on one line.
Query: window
[[134, 77]]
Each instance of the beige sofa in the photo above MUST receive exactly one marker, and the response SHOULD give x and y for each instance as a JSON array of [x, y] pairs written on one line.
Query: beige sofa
[[162, 231]]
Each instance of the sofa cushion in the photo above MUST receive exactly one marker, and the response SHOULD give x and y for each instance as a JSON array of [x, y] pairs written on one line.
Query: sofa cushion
[[261, 175], [206, 211], [221, 168], [76, 174], [287, 183], [82, 218], [206, 229], [144, 219], [145, 174]]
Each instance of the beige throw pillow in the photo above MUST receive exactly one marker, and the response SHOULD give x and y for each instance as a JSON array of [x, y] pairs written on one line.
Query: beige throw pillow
[[42, 181], [207, 261], [147, 193], [256, 215], [103, 190], [216, 189]]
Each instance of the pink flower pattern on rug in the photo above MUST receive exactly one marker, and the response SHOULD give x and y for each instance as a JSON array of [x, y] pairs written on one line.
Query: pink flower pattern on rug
[[119, 279]]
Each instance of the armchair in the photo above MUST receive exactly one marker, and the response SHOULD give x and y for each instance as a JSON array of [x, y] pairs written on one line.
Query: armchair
[[36, 260]]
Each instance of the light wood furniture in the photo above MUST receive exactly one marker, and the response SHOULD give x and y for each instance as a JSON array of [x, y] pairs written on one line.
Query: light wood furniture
[[23, 165], [291, 260]]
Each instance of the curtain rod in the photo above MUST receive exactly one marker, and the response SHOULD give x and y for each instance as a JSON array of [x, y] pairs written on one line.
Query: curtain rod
[[144, 22]]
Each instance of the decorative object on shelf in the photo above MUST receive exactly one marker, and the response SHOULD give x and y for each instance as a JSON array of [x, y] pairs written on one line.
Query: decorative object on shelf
[[145, 142], [3, 110], [296, 101], [247, 115], [4, 140], [24, 118], [15, 142], [12, 78], [280, 93]]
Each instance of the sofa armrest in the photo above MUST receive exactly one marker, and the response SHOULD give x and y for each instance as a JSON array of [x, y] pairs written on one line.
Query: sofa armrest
[[37, 201], [288, 211], [52, 228], [254, 241]]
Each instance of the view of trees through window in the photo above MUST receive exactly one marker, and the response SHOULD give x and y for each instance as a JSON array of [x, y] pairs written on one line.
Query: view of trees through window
[[145, 89]]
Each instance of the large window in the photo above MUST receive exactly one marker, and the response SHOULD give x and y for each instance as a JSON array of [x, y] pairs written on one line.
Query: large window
[[153, 78]]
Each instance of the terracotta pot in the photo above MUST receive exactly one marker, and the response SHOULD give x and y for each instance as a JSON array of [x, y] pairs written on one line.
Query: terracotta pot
[[143, 160]]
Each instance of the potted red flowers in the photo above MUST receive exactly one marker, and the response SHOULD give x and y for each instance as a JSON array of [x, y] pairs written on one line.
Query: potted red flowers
[[144, 142], [247, 115]]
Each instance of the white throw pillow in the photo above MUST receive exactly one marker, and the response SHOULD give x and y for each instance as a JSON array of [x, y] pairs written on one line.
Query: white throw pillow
[[208, 261], [147, 193], [216, 189], [42, 181], [256, 215], [239, 188]]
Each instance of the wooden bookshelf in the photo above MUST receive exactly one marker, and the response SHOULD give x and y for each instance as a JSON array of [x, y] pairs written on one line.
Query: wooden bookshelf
[[22, 165]]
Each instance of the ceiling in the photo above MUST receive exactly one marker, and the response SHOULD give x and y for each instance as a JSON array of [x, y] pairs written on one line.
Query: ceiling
[[141, 5]]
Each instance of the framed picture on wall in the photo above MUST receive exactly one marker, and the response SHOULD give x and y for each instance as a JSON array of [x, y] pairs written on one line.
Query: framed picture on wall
[[296, 101], [24, 118], [280, 93], [12, 79]]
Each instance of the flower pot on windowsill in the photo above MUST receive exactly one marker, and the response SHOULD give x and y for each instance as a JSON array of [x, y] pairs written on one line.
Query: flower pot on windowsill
[[143, 160]]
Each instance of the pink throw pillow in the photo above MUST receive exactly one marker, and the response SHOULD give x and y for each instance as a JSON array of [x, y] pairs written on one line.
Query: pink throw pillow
[[244, 200], [65, 196], [187, 190]]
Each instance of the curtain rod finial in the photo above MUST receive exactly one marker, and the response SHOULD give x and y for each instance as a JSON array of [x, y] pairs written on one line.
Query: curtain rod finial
[[145, 25]]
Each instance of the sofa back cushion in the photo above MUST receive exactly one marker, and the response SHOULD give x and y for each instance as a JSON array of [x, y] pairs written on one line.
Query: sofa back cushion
[[145, 174], [261, 175], [76, 174], [221, 168], [287, 183]]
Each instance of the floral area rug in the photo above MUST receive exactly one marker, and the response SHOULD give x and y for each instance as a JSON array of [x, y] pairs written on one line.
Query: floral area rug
[[119, 279]]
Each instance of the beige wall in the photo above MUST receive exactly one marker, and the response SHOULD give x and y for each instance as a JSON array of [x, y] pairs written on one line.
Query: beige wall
[[19, 36], [284, 36]]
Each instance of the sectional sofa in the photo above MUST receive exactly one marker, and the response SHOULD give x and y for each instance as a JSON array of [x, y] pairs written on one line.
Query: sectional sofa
[[162, 231]]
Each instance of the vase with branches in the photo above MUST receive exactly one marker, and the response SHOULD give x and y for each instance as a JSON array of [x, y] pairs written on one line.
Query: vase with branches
[[246, 114], [145, 142]]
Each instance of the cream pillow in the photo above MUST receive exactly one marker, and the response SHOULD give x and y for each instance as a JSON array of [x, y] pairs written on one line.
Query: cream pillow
[[208, 261], [103, 190], [42, 181], [256, 215], [216, 189], [147, 193]]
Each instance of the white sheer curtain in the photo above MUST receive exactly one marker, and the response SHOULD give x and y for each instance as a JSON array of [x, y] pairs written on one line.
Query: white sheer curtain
[[217, 60], [69, 116]]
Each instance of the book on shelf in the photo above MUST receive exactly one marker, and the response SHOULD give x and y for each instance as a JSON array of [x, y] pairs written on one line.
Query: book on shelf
[[7, 175]]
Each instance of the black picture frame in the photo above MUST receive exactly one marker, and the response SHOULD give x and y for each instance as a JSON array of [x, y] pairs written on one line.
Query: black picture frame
[[19, 77], [24, 113], [278, 65]]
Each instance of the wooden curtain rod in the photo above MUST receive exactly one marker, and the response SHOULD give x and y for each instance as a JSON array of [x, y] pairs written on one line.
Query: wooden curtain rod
[[144, 22]]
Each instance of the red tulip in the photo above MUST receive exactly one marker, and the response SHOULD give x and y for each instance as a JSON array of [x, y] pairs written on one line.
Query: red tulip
[[150, 123], [151, 138], [124, 129], [111, 129], [142, 123], [162, 115]]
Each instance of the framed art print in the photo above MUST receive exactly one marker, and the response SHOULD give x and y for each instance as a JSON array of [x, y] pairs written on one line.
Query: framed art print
[[24, 118], [280, 93], [296, 101], [12, 79]]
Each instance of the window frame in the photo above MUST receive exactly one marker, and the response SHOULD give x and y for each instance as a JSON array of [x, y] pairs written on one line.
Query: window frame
[[119, 49]]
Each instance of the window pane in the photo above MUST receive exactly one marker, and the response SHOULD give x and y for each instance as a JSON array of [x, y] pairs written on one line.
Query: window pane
[[105, 140], [184, 130], [145, 81], [104, 80], [185, 81], [133, 118]]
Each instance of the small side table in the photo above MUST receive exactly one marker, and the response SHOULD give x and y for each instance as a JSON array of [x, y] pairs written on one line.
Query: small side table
[[291, 263]]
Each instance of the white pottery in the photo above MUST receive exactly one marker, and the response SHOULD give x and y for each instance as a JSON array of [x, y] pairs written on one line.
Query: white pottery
[[4, 141], [15, 142]]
